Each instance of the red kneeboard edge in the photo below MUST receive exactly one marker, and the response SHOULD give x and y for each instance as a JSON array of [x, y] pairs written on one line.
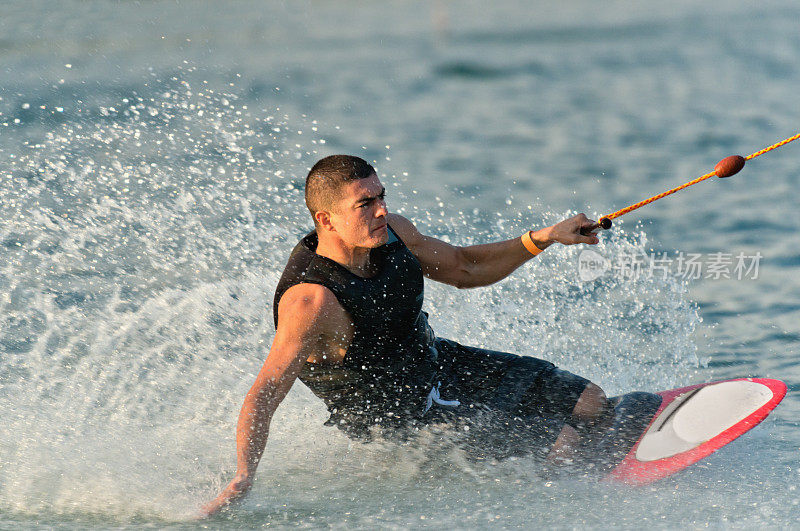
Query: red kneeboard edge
[[631, 471]]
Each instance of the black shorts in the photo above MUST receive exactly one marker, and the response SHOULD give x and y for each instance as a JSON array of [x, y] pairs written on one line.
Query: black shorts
[[508, 404]]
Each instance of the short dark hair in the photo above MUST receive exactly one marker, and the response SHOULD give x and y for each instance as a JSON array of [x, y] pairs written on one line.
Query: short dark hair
[[325, 180]]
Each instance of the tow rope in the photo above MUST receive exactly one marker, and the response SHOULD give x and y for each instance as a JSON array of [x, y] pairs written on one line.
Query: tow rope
[[724, 168]]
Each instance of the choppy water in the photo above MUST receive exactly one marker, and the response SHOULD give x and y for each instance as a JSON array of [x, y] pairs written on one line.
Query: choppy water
[[151, 165]]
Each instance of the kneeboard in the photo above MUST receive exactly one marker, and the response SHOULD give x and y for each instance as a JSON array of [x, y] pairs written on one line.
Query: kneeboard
[[658, 434]]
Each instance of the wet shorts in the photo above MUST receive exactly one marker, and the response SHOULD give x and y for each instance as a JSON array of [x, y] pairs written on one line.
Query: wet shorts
[[507, 404]]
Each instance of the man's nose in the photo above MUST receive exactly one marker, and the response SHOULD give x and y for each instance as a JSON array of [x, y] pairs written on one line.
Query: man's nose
[[381, 211]]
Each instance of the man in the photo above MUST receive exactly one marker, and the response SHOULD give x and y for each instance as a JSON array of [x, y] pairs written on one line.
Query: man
[[350, 325]]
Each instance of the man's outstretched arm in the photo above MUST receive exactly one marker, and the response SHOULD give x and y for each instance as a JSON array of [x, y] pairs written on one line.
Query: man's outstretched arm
[[481, 265], [301, 332]]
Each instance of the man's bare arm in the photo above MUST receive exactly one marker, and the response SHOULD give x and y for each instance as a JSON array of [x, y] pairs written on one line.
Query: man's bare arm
[[303, 331], [481, 265]]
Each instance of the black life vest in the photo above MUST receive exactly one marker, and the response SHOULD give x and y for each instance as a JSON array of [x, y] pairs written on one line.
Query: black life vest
[[390, 365]]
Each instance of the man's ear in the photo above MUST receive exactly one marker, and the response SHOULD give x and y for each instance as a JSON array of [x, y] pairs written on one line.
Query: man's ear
[[323, 220]]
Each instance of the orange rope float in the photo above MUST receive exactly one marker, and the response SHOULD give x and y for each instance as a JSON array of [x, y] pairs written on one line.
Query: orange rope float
[[724, 168]]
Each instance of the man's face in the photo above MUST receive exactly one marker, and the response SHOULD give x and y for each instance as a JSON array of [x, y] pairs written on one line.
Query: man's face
[[360, 218]]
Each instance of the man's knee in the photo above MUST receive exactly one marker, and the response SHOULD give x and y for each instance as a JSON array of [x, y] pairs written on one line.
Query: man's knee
[[565, 446], [592, 404]]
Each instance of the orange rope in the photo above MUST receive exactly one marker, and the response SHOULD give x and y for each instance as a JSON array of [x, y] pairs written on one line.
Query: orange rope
[[640, 204], [625, 210], [773, 146]]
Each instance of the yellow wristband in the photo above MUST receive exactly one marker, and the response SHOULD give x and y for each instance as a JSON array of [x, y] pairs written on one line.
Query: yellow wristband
[[527, 241]]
